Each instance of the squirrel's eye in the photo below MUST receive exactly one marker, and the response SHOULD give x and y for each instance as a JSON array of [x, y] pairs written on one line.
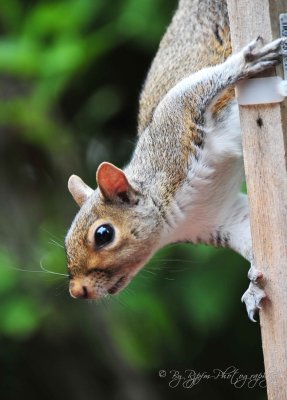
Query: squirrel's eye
[[104, 234]]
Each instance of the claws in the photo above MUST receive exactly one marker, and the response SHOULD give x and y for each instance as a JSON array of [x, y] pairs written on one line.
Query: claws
[[273, 47], [258, 58], [248, 50], [254, 294]]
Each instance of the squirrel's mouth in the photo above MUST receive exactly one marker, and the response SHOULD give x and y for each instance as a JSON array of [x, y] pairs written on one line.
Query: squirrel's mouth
[[118, 285]]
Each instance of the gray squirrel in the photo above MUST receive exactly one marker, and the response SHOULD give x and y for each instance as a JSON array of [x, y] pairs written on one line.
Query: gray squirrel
[[184, 179]]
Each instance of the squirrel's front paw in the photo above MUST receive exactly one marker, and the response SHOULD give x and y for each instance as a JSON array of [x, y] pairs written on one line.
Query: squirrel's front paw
[[258, 58], [254, 294]]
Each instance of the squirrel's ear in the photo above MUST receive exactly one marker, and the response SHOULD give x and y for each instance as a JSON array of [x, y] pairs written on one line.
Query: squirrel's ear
[[79, 190], [113, 184]]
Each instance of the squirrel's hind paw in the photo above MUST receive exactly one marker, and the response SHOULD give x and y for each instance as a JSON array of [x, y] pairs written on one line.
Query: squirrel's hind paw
[[254, 294]]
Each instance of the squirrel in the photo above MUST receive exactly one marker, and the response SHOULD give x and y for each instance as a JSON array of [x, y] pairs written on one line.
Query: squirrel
[[183, 182]]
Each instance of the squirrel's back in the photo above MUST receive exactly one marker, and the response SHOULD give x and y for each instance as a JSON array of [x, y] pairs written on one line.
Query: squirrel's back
[[197, 37]]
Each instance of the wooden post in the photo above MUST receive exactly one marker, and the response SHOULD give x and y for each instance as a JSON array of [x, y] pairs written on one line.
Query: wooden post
[[264, 146]]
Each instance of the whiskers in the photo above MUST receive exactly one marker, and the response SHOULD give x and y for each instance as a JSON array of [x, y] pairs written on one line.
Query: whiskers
[[41, 270], [123, 299], [61, 288], [162, 264], [54, 242]]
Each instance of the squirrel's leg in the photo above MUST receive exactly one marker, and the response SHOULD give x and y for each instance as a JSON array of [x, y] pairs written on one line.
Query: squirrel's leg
[[197, 92], [235, 232]]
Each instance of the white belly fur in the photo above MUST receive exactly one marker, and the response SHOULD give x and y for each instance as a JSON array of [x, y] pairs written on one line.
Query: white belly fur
[[213, 183]]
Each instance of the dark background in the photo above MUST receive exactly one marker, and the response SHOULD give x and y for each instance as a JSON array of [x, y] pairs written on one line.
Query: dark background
[[70, 77]]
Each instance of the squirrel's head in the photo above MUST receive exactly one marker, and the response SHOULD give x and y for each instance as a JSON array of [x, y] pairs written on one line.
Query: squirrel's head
[[113, 235]]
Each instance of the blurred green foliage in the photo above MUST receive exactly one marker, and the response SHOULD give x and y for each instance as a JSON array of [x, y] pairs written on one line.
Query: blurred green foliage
[[70, 76]]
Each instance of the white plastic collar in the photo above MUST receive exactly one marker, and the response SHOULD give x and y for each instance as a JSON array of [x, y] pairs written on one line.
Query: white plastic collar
[[261, 91]]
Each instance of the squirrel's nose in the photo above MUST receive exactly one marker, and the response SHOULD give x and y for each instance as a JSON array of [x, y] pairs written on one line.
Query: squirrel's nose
[[79, 291]]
